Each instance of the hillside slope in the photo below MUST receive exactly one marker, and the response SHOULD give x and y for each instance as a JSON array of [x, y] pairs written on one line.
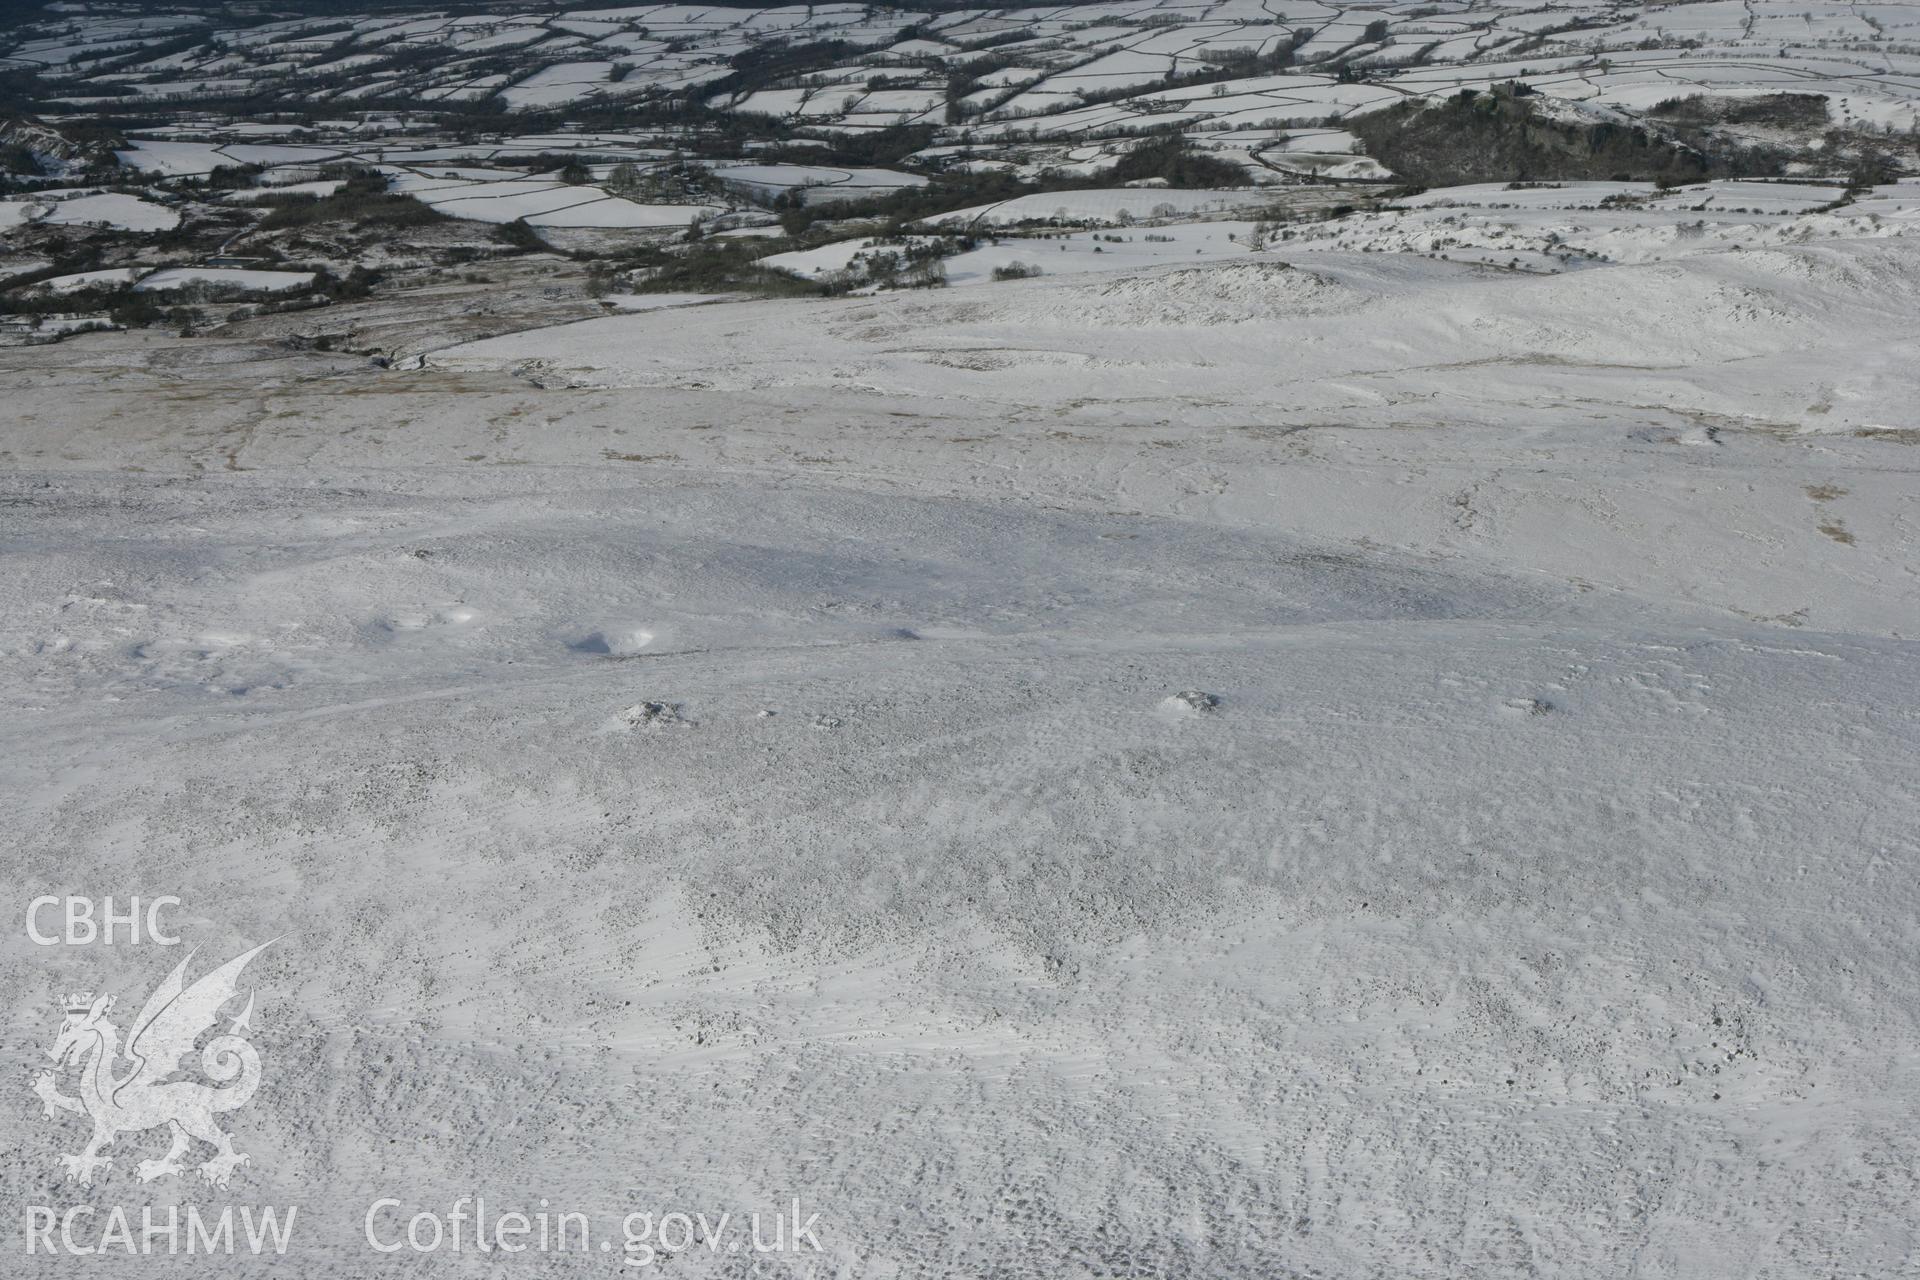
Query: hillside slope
[[1364, 766]]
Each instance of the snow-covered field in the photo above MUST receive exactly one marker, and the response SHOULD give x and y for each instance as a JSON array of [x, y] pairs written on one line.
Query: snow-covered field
[[1320, 763], [1116, 206], [91, 279], [224, 278], [105, 209], [1057, 253], [544, 202], [814, 184]]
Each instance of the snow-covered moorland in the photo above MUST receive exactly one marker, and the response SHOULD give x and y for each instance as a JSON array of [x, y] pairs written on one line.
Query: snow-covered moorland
[[1343, 705], [1344, 765]]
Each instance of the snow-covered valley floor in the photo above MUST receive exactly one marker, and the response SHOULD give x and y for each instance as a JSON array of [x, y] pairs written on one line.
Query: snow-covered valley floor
[[1362, 767]]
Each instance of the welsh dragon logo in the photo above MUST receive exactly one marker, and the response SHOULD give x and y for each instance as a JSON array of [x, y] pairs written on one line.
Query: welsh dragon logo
[[134, 1091]]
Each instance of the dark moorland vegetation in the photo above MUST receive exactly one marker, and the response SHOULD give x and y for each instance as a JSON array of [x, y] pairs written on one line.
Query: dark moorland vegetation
[[1780, 110], [363, 202], [1501, 137], [1173, 159]]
